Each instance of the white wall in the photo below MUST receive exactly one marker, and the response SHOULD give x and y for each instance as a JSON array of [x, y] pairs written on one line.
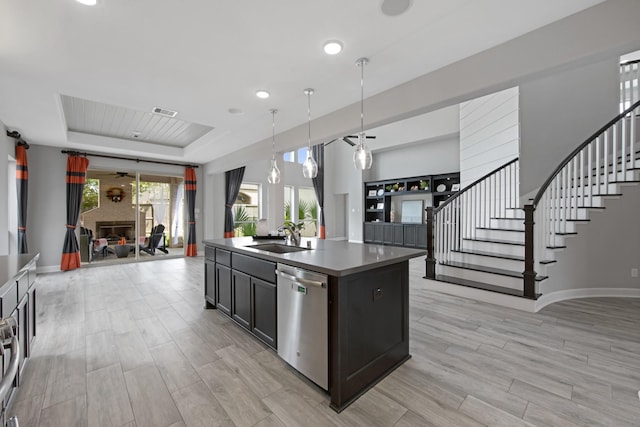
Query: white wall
[[422, 158], [46, 217], [489, 134], [559, 112], [6, 151], [604, 251]]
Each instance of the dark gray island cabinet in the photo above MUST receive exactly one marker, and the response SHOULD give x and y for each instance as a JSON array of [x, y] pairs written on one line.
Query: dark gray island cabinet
[[367, 309], [18, 301]]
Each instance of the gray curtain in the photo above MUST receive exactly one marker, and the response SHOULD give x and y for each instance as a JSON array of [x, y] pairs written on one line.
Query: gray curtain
[[233, 180], [318, 186], [22, 187]]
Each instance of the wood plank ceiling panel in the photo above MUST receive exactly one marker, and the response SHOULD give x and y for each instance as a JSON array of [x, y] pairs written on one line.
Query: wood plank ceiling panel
[[96, 118]]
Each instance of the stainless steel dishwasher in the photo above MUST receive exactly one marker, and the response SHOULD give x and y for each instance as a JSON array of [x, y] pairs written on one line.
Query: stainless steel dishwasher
[[303, 322]]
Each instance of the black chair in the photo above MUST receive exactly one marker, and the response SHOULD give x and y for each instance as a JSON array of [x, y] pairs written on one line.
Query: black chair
[[155, 241]]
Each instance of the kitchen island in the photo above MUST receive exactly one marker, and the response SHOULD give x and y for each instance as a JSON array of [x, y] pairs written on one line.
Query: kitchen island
[[367, 307]]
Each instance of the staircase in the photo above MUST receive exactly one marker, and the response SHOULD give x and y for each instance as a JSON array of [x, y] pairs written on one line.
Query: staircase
[[485, 238]]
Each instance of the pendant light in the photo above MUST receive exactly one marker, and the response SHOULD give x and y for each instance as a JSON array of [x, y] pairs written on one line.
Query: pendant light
[[362, 157], [309, 167], [274, 172]]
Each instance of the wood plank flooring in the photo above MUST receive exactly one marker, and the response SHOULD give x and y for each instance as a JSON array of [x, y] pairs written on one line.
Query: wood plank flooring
[[131, 345]]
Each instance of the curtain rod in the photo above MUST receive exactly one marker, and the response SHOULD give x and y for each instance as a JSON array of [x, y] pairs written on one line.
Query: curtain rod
[[85, 154], [16, 135]]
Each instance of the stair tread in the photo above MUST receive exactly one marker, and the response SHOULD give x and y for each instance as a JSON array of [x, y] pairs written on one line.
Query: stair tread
[[505, 242], [547, 261], [481, 285], [489, 254], [500, 229], [486, 269], [572, 233]]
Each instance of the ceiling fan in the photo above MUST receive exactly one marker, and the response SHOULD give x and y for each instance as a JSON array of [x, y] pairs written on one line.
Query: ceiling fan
[[123, 175], [348, 140]]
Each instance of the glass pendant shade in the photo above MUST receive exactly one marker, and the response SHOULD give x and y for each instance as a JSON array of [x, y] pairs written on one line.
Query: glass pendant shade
[[274, 173], [273, 176], [362, 157], [310, 167]]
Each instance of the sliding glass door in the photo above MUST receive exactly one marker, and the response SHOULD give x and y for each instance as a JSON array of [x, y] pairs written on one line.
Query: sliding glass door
[[126, 215]]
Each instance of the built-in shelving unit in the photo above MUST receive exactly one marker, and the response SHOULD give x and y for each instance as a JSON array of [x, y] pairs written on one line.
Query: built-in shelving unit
[[383, 220]]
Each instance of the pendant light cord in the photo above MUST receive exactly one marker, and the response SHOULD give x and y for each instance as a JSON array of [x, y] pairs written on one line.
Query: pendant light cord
[[362, 95], [309, 92], [361, 63], [273, 134]]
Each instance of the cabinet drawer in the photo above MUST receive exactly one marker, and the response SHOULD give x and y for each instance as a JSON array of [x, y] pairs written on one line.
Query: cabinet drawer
[[265, 270], [23, 285], [210, 253], [9, 300], [223, 257]]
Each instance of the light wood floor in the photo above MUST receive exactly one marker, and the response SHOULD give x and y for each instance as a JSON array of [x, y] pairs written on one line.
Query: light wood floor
[[131, 345]]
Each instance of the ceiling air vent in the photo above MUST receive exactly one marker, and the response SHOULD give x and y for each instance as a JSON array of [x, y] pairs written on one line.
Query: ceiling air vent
[[164, 112]]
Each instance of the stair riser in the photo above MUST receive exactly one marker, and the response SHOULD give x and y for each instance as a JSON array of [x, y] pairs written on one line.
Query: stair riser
[[498, 248], [512, 236], [480, 276], [513, 224], [505, 264], [586, 202], [580, 213], [514, 213]]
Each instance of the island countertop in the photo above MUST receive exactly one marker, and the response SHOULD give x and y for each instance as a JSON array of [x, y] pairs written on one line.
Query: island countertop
[[335, 258], [12, 265]]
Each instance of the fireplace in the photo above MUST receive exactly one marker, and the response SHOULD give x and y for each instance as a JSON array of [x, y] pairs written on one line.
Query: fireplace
[[115, 230]]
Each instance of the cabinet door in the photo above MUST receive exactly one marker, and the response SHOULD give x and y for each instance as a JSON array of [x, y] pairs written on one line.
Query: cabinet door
[[23, 330], [241, 298], [210, 281], [421, 236], [223, 289], [264, 311], [410, 235], [378, 231], [32, 316], [388, 234], [368, 232], [398, 234]]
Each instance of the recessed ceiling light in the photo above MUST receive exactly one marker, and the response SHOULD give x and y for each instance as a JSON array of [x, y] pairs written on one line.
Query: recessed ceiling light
[[262, 94], [88, 2], [333, 47], [395, 7]]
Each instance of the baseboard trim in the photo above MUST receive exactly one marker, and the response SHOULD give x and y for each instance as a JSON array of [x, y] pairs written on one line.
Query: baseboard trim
[[518, 303], [48, 269], [550, 298]]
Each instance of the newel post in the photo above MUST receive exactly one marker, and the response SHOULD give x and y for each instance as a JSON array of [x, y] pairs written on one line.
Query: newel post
[[529, 272], [430, 260]]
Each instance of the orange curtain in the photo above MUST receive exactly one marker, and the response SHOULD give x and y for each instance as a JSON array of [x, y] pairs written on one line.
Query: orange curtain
[[76, 178], [190, 195]]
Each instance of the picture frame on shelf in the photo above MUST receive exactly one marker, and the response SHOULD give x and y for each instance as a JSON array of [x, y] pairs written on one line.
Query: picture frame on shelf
[[380, 205], [372, 193], [455, 187]]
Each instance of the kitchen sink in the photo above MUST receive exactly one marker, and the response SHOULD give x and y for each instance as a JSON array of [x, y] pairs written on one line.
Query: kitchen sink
[[278, 248]]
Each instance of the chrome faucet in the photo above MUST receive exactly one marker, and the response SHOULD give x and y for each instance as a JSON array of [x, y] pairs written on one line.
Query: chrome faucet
[[294, 235]]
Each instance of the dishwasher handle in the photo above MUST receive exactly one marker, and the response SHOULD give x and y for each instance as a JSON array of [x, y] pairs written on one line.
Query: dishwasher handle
[[305, 282]]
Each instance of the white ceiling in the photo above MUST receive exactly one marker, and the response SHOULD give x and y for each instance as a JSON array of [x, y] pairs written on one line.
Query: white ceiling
[[204, 57]]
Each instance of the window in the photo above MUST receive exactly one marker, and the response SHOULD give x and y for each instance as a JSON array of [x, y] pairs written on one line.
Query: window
[[305, 204], [289, 156], [302, 154], [90, 195], [246, 210]]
